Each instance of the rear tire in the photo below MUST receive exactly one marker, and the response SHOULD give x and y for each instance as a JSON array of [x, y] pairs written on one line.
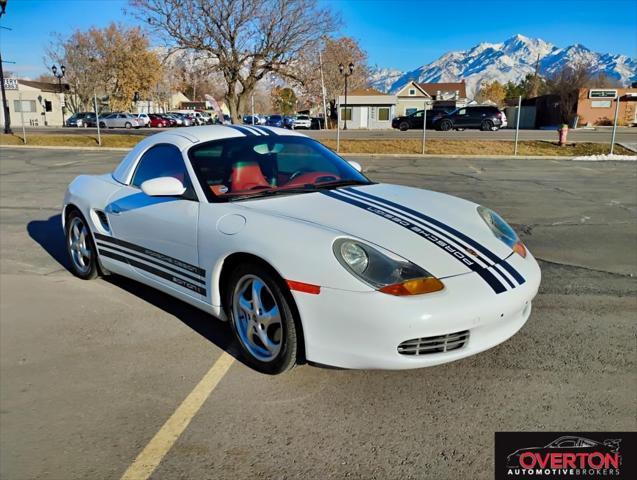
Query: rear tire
[[102, 125], [128, 125], [260, 309], [445, 125], [80, 247]]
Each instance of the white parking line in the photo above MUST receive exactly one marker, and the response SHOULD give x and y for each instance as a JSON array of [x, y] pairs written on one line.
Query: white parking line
[[148, 460]]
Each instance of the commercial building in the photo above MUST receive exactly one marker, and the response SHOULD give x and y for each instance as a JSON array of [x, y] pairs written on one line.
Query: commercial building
[[35, 103], [596, 106]]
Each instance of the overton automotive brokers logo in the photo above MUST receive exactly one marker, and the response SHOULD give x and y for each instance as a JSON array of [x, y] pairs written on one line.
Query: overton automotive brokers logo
[[562, 456]]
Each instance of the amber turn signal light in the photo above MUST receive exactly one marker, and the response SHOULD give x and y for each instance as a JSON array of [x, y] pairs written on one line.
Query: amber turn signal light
[[417, 286], [520, 249]]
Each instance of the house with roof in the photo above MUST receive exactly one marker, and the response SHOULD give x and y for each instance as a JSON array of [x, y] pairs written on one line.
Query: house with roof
[[413, 96], [367, 108]]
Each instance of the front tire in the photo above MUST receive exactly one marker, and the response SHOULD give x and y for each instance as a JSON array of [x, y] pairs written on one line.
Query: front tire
[[403, 127], [128, 125], [260, 311], [80, 247]]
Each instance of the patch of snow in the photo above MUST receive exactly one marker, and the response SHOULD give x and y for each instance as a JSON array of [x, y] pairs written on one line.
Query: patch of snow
[[606, 158]]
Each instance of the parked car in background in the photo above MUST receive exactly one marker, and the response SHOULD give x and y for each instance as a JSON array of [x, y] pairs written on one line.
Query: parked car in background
[[157, 121], [251, 120], [176, 121], [172, 122], [185, 120], [120, 120], [144, 119], [80, 119], [485, 118], [317, 123], [302, 121], [275, 120], [414, 120]]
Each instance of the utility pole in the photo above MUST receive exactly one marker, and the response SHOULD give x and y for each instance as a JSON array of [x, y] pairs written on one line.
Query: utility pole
[[5, 108], [323, 90]]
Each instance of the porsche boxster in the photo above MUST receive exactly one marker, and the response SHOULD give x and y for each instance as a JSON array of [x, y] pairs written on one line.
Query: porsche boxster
[[307, 258]]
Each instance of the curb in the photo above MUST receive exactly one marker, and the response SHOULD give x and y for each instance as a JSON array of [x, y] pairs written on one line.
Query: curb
[[344, 155]]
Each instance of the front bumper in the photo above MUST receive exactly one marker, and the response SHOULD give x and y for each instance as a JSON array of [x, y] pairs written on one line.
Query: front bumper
[[363, 329]]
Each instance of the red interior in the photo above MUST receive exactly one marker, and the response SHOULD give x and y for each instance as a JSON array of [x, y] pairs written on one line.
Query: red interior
[[311, 178], [246, 176]]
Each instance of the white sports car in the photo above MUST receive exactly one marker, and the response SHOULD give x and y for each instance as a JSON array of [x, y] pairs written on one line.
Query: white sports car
[[307, 258]]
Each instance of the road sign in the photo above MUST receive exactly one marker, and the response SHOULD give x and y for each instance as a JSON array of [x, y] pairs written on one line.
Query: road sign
[[602, 93]]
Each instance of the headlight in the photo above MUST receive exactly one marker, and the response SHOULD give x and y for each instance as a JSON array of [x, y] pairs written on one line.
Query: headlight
[[502, 230], [394, 276]]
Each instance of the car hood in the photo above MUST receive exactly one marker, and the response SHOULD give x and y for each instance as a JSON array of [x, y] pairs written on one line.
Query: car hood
[[449, 228]]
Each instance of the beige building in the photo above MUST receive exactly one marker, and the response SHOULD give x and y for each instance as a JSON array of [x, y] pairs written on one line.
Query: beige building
[[367, 109], [36, 103], [413, 96]]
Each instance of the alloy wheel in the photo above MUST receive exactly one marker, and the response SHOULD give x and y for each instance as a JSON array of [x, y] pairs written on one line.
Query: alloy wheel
[[79, 246], [257, 318]]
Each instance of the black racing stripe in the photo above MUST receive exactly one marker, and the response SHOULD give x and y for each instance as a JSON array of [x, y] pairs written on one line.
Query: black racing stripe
[[151, 253], [155, 271], [422, 224], [439, 232], [150, 260], [502, 274], [245, 131], [266, 131], [488, 253], [486, 275]]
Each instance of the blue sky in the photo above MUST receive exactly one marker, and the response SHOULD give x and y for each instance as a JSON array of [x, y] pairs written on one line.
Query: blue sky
[[400, 34]]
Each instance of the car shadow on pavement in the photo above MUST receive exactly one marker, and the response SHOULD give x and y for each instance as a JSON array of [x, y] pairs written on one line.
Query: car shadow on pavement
[[205, 324], [49, 235]]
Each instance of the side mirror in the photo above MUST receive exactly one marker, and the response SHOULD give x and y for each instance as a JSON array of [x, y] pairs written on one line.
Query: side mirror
[[163, 187], [356, 165]]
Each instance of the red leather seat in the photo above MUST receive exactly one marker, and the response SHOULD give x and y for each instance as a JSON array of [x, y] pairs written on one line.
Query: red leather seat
[[246, 176]]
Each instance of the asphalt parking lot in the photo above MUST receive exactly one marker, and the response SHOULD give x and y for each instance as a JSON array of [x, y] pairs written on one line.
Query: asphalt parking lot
[[90, 371]]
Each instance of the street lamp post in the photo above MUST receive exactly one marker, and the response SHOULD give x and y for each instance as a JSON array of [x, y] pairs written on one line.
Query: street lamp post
[[59, 76], [346, 74]]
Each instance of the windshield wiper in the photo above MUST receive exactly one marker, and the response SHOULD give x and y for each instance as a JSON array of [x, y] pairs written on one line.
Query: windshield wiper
[[341, 183], [268, 193]]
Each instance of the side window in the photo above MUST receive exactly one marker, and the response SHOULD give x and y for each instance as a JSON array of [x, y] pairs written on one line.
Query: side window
[[567, 443], [462, 111], [161, 161]]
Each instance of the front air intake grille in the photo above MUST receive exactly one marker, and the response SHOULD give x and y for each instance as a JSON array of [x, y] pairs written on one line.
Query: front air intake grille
[[439, 344]]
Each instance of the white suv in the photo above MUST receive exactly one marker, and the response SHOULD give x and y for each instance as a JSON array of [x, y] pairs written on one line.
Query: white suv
[[302, 121]]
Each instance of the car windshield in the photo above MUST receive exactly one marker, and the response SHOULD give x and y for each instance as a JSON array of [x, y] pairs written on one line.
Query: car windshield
[[249, 167]]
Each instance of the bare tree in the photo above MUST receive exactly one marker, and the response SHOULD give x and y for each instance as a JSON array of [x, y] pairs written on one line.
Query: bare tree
[[566, 84], [246, 39], [334, 51]]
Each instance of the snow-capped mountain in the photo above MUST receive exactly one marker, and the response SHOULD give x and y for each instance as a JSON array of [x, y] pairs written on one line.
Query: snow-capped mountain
[[510, 60]]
